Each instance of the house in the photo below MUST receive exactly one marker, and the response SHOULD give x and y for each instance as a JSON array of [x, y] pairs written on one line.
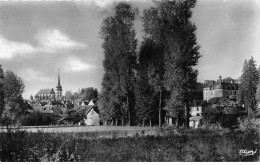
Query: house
[[84, 103], [92, 115], [196, 110], [220, 89]]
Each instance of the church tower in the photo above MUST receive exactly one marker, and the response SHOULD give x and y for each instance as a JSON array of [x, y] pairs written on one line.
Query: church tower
[[58, 89]]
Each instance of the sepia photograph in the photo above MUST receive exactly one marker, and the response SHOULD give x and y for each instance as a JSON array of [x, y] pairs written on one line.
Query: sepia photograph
[[130, 81]]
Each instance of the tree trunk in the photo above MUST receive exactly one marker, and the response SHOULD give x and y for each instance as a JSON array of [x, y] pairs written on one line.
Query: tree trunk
[[116, 121], [122, 121], [150, 122], [112, 123], [177, 122], [129, 114], [143, 122], [160, 108], [186, 123]]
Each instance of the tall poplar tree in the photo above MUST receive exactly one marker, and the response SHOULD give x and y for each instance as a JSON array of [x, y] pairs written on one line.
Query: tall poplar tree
[[181, 54], [248, 86], [120, 63], [146, 95], [153, 37]]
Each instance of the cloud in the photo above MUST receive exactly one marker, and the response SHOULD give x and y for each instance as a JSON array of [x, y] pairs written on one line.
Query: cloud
[[30, 74], [9, 49], [75, 65], [53, 40], [101, 3], [49, 41]]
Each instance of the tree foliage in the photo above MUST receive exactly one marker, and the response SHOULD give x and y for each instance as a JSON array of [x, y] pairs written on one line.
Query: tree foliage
[[119, 64], [89, 93], [145, 91], [2, 103], [84, 94], [14, 103], [181, 53], [248, 86]]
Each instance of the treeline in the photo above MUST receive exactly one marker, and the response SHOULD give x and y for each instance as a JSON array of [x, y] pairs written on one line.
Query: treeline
[[145, 85], [84, 94]]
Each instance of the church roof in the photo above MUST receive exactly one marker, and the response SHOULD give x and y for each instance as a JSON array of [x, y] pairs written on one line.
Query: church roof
[[45, 91]]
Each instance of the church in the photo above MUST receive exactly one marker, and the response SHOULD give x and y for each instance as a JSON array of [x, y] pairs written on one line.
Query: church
[[50, 94]]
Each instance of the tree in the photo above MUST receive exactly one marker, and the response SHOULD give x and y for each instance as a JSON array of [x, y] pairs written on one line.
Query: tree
[[120, 61], [228, 79], [248, 86], [14, 103], [181, 54], [2, 103], [144, 91], [154, 41], [69, 95], [89, 93]]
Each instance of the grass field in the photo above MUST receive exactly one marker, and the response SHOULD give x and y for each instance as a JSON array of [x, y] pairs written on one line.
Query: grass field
[[185, 145]]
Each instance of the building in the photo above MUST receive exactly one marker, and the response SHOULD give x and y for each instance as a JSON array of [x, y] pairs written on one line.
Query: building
[[45, 95], [196, 110], [220, 89], [50, 94], [92, 115], [58, 89]]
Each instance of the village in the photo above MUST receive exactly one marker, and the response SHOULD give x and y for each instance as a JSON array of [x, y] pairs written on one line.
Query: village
[[82, 112], [130, 81]]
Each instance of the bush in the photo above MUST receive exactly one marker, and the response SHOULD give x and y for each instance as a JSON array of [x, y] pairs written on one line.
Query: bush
[[229, 121], [37, 119], [24, 146], [248, 124]]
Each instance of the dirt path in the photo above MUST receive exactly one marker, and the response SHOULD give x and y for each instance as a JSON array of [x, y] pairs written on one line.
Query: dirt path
[[86, 129]]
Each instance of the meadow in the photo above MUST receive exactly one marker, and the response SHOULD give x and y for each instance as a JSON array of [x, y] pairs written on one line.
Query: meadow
[[167, 145]]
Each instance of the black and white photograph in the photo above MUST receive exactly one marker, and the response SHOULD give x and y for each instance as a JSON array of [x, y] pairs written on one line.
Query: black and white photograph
[[130, 81]]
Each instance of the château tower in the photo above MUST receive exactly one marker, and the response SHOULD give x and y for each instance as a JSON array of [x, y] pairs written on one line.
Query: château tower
[[58, 89]]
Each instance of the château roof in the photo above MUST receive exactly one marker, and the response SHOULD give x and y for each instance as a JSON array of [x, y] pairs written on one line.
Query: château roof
[[220, 84], [198, 103], [45, 91], [223, 85]]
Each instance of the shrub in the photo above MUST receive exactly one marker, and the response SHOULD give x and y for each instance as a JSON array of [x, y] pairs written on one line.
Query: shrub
[[36, 119], [248, 124]]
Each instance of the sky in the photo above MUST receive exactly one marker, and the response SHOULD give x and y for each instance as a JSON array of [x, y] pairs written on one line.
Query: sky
[[38, 39]]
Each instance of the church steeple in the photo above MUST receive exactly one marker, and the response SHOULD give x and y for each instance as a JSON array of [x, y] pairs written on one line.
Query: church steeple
[[58, 78], [58, 88]]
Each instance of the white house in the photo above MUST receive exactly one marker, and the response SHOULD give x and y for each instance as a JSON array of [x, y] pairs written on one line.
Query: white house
[[92, 115], [196, 110]]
